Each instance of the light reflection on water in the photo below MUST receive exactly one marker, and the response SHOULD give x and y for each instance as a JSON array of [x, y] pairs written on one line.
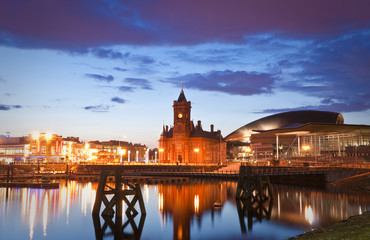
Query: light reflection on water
[[177, 211]]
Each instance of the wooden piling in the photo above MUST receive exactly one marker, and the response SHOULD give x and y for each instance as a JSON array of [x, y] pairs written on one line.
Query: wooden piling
[[114, 206]]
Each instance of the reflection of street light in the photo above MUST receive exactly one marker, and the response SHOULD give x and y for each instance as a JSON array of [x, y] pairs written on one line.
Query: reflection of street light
[[196, 150], [308, 214]]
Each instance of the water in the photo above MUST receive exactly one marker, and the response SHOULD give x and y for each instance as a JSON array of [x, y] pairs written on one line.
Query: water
[[180, 211]]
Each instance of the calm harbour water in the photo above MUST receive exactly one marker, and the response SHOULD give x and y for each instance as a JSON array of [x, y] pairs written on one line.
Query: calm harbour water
[[177, 211]]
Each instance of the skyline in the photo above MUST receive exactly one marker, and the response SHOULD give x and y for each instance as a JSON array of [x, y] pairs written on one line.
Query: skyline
[[101, 70]]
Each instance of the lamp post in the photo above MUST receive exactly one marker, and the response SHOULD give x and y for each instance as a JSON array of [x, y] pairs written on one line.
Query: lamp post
[[161, 151], [196, 150], [122, 152], [306, 148]]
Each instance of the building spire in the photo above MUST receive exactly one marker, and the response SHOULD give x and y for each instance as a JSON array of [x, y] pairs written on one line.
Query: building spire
[[182, 97]]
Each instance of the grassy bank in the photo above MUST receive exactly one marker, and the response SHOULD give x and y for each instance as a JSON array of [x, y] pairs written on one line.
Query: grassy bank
[[356, 227]]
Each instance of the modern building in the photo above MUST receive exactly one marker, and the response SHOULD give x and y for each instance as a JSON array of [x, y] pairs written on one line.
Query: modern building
[[318, 135], [186, 143]]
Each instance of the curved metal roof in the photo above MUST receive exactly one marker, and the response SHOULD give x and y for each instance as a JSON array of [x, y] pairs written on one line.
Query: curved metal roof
[[286, 119]]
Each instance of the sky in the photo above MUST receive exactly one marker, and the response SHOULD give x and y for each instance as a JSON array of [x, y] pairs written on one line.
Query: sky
[[110, 70]]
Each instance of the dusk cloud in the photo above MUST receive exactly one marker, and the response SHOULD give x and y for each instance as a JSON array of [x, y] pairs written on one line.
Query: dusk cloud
[[139, 82], [102, 78], [77, 24], [118, 100], [108, 53], [120, 69], [334, 70], [98, 108], [4, 107], [230, 82], [126, 89]]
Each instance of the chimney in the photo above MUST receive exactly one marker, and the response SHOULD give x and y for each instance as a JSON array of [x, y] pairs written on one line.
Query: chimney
[[212, 128], [166, 128], [199, 124]]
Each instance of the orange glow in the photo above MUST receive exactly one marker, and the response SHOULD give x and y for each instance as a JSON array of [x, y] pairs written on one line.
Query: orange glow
[[36, 136], [306, 147], [160, 201], [308, 214], [48, 136], [248, 149], [196, 203], [196, 150], [161, 150]]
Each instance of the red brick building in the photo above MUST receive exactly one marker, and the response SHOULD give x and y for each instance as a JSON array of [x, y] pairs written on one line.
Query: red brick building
[[186, 143]]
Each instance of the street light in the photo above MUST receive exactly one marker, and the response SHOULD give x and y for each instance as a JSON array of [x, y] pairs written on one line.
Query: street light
[[122, 152], [196, 150], [48, 136], [35, 136]]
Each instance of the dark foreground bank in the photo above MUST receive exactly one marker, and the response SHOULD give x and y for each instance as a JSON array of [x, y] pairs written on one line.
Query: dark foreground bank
[[356, 227]]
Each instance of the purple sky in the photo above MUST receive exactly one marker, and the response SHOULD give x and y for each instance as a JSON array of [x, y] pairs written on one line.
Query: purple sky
[[111, 69]]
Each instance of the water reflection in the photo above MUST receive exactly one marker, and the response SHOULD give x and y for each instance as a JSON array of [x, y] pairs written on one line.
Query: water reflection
[[185, 202], [128, 230], [254, 210], [178, 210]]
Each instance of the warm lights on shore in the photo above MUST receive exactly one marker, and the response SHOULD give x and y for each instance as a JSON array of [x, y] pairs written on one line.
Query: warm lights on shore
[[36, 136], [306, 147]]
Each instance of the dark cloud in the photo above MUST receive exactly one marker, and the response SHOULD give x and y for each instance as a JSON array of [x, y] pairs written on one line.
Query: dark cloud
[[235, 83], [102, 78], [4, 107], [118, 100], [120, 69], [109, 53], [336, 71], [98, 108], [79, 24], [139, 82], [142, 59], [126, 89]]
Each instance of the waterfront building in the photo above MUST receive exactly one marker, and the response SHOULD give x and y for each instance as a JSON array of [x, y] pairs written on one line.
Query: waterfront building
[[114, 151], [14, 148], [316, 135], [186, 143]]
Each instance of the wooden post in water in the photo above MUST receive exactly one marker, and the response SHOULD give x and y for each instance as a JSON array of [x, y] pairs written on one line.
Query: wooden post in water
[[114, 206], [253, 193]]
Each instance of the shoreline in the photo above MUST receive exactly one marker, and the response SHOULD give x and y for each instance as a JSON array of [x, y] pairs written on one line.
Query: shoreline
[[355, 227]]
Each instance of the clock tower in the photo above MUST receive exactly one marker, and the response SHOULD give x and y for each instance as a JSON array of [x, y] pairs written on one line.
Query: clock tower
[[181, 117]]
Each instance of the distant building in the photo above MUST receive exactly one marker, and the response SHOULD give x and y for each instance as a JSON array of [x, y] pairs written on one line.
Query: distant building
[[319, 135], [114, 151], [186, 143]]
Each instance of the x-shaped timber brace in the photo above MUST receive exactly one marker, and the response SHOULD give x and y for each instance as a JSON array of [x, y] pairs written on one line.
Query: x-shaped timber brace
[[252, 194], [114, 206]]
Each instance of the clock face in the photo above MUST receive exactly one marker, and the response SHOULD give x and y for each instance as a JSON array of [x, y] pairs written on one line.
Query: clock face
[[179, 115]]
